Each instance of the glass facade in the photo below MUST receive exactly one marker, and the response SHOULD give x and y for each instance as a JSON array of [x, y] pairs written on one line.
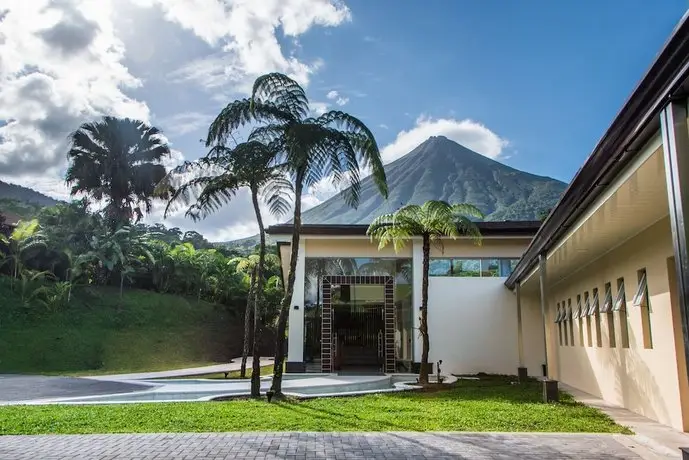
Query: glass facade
[[399, 269], [472, 268]]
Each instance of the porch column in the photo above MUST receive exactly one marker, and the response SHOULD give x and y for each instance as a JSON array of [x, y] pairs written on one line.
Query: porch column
[[521, 370], [550, 387], [295, 334], [675, 133], [417, 280]]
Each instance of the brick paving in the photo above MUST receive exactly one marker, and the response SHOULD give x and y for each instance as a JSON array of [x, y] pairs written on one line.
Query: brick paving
[[302, 446]]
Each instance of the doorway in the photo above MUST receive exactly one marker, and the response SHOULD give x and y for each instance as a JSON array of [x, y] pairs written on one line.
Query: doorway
[[358, 324], [359, 328]]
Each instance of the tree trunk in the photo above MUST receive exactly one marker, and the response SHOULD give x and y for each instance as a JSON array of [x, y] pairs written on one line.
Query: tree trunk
[[250, 306], [423, 323], [276, 387], [258, 302]]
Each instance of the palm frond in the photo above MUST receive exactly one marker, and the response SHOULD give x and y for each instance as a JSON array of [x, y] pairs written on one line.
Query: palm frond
[[434, 219], [362, 141], [282, 91], [240, 113]]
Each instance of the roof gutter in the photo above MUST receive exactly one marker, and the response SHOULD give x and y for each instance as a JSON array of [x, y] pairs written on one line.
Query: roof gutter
[[630, 129], [503, 228]]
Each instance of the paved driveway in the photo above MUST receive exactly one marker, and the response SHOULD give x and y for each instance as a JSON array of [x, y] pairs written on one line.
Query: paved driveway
[[301, 446], [25, 387]]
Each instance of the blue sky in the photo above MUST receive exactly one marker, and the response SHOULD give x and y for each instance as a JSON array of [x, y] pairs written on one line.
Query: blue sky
[[548, 76], [532, 84]]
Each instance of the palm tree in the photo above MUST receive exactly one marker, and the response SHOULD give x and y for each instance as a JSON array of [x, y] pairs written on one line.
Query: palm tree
[[248, 266], [24, 241], [117, 160], [334, 146], [431, 221], [124, 250], [226, 170]]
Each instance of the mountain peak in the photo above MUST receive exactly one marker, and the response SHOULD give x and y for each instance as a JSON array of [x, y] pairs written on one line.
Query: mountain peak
[[442, 169], [439, 140]]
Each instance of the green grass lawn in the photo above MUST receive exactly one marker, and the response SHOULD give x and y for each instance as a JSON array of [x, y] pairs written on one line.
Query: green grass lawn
[[488, 405], [99, 333]]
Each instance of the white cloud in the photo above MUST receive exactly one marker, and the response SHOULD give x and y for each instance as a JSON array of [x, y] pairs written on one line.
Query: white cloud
[[467, 132], [184, 122], [247, 32], [60, 64], [318, 108], [337, 97], [383, 126]]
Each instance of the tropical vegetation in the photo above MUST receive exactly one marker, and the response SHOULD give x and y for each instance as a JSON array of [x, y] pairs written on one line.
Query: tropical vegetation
[[431, 221], [97, 241], [119, 161], [335, 146]]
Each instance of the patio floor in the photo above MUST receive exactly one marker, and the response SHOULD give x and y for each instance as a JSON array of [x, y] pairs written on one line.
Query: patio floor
[[302, 446]]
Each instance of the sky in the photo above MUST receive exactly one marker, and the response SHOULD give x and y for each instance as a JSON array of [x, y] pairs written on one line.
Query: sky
[[531, 84]]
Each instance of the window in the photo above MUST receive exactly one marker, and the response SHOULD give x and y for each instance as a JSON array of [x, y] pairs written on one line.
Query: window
[[466, 267], [641, 295], [472, 268], [580, 316], [620, 299], [609, 315], [558, 321], [571, 322], [565, 320], [440, 267], [587, 308], [641, 301], [595, 311], [607, 301], [490, 267], [587, 304], [620, 306]]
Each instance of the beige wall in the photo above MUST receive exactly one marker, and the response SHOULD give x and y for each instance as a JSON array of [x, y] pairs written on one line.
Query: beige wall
[[340, 247], [642, 379]]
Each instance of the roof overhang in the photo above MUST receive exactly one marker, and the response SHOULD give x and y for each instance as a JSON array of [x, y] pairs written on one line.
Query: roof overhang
[[633, 127], [507, 229]]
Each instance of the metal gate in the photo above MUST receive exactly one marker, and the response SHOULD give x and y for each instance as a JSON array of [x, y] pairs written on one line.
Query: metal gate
[[369, 335]]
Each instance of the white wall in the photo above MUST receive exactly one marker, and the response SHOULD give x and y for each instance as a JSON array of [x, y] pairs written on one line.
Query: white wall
[[472, 325], [295, 331]]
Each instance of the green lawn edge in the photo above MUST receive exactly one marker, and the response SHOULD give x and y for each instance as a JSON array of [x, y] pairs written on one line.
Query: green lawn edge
[[492, 406]]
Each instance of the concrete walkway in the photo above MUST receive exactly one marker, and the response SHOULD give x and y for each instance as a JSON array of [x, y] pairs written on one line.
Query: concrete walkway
[[302, 446], [233, 365], [14, 388], [661, 440]]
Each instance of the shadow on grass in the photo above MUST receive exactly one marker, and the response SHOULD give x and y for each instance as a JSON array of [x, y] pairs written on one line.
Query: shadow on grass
[[344, 422]]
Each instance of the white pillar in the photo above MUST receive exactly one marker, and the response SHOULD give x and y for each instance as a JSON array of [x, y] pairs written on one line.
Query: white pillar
[[520, 336], [295, 350], [417, 280]]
